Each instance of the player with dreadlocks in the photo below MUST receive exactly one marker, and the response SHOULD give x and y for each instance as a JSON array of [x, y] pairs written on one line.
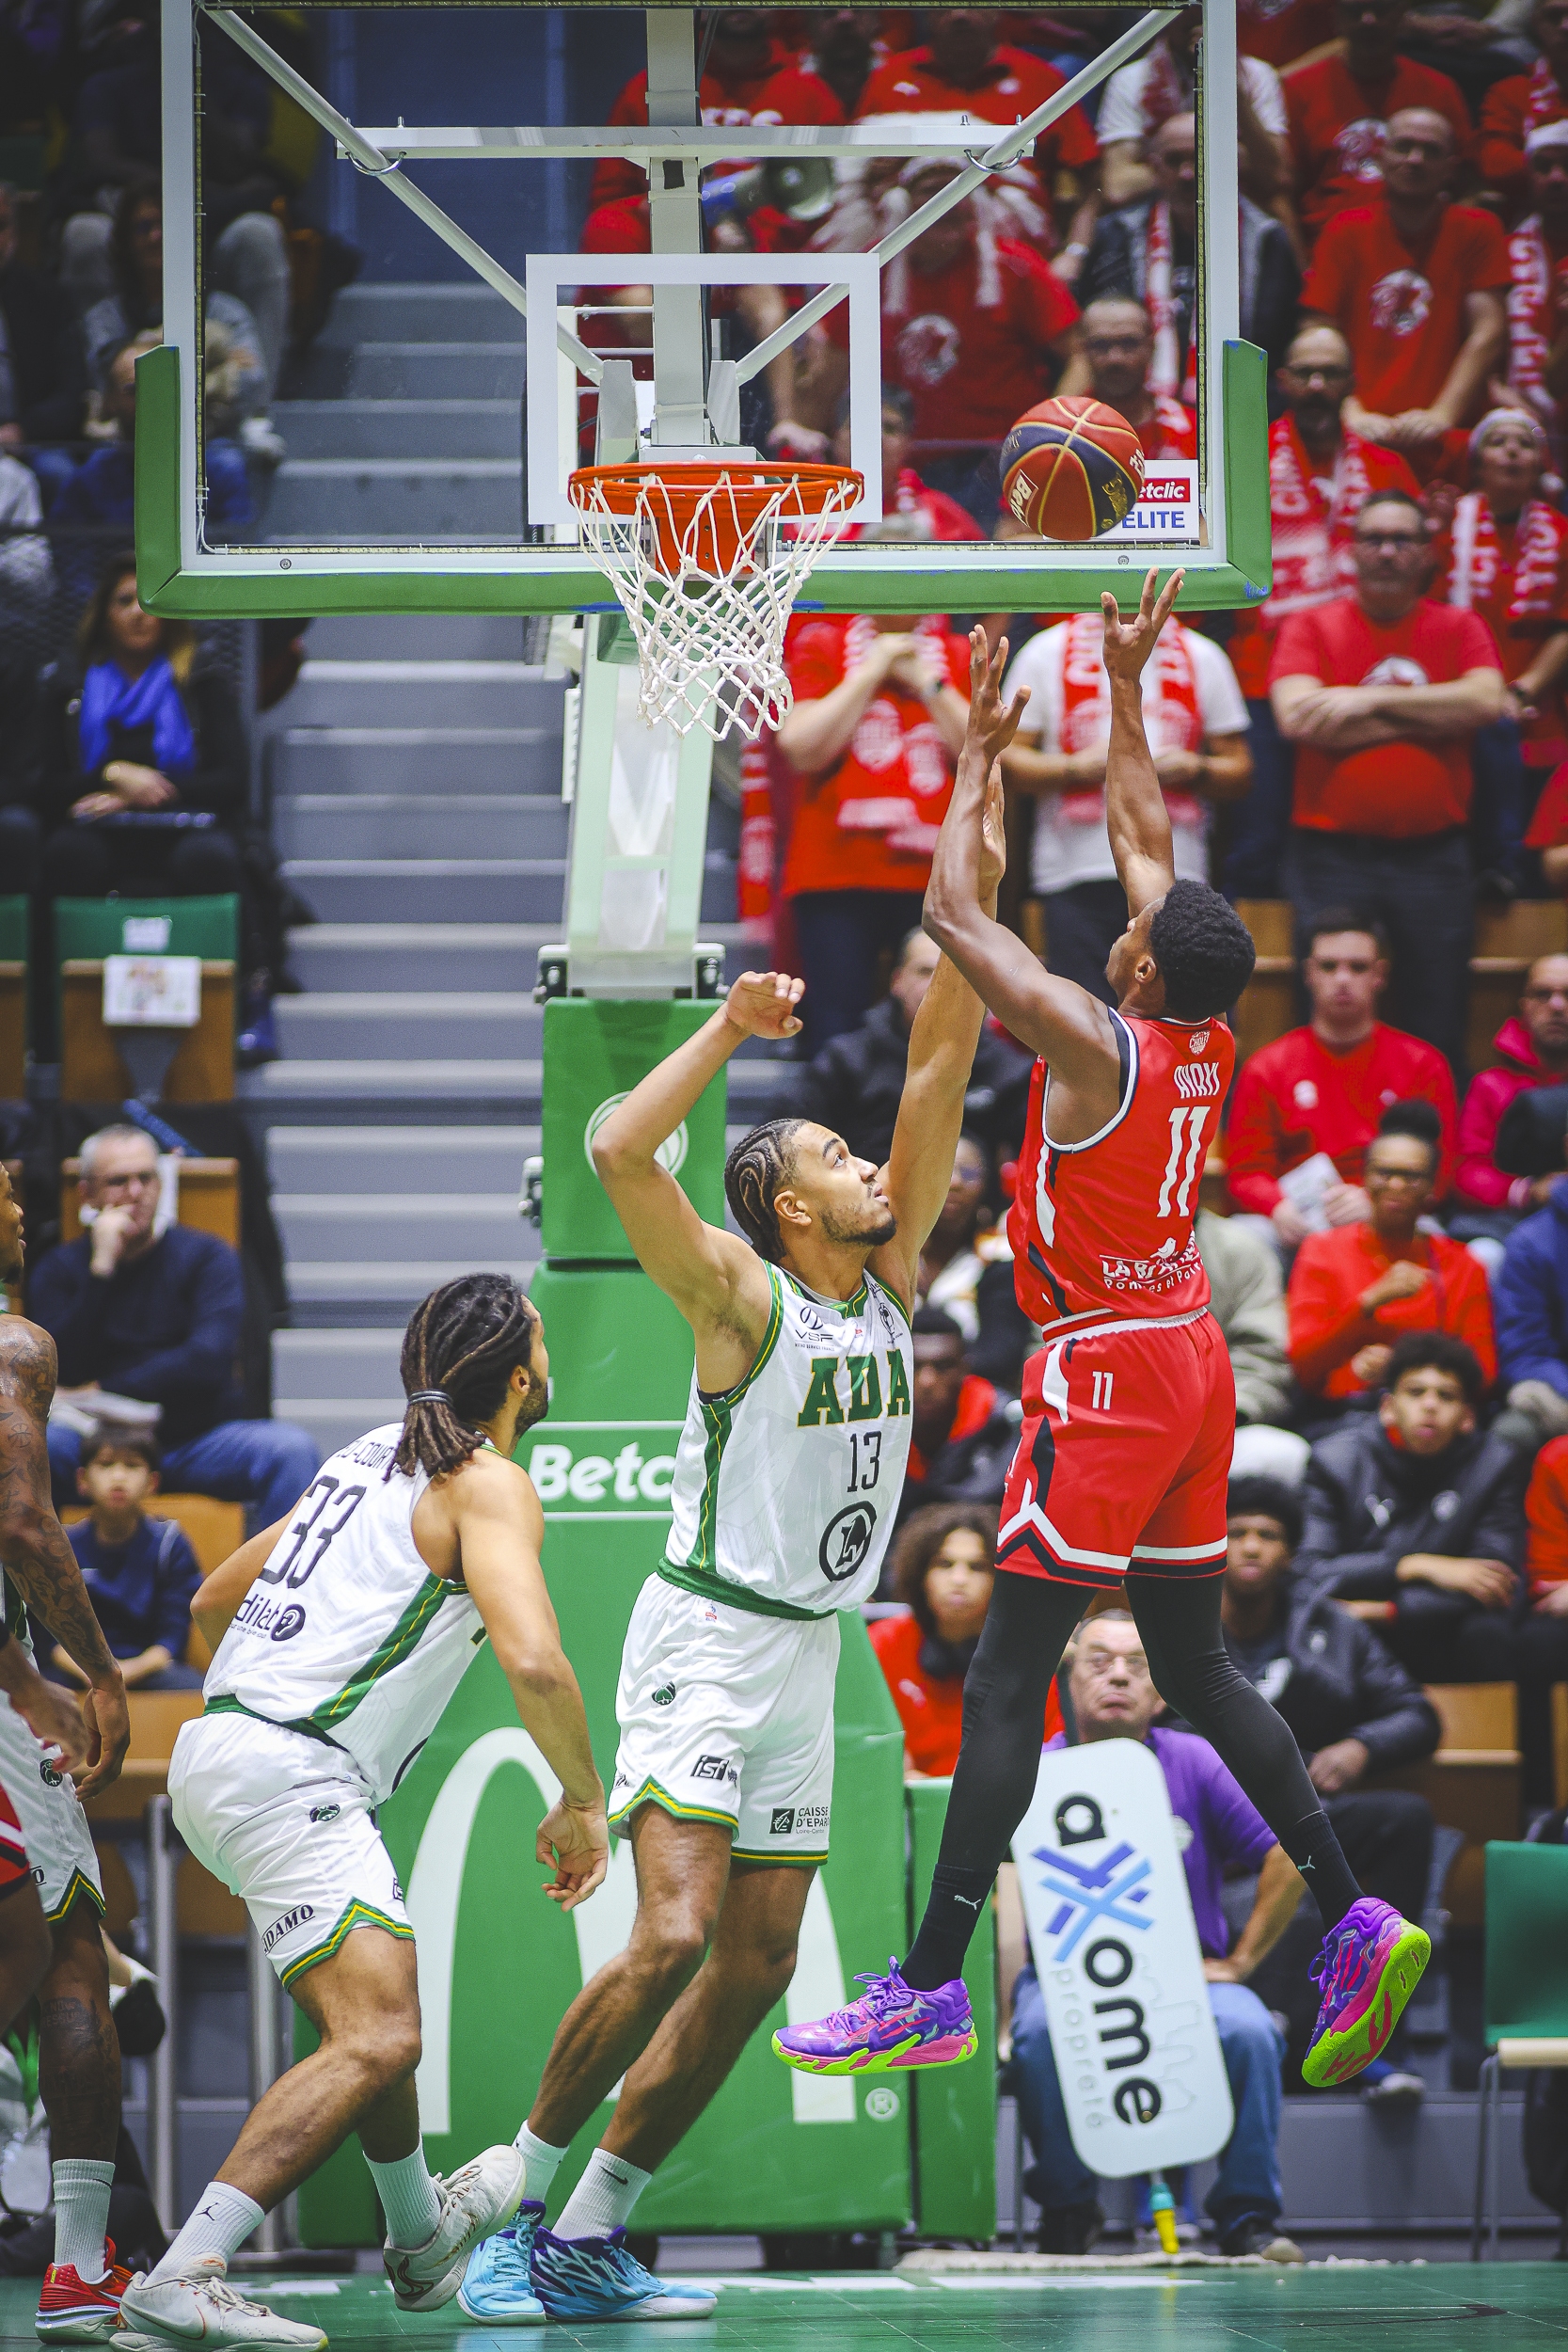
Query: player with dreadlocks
[[340, 1634]]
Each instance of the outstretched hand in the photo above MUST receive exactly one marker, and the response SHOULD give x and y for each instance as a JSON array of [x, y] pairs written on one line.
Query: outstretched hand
[[994, 838], [993, 723], [1129, 644], [763, 1004]]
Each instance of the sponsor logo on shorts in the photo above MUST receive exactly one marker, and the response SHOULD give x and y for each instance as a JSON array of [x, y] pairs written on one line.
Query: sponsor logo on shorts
[[274, 1935], [289, 1623], [716, 1768], [49, 1776], [783, 1823], [37, 1874], [665, 1696], [397, 1890], [325, 1812], [846, 1541], [623, 1780]]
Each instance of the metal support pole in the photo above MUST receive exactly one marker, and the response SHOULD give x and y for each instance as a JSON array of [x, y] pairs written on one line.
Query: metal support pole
[[162, 2077], [261, 1987], [676, 225]]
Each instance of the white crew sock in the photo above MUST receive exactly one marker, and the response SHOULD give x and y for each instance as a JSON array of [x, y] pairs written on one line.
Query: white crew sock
[[543, 2162], [82, 2186], [603, 2199], [221, 2220], [409, 2200]]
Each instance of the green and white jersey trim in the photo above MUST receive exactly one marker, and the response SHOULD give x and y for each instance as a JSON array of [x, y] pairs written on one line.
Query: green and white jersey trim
[[345, 1632], [787, 1485]]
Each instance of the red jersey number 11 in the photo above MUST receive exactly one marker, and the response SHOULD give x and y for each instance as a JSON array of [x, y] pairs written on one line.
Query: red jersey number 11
[[1186, 1127]]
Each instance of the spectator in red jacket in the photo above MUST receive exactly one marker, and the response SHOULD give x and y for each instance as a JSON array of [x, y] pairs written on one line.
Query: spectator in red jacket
[[1340, 106], [1356, 1290], [1418, 285], [1533, 1048], [1325, 1089], [748, 76], [1512, 108], [1546, 1537], [974, 327], [1382, 692], [1321, 472], [942, 1571]]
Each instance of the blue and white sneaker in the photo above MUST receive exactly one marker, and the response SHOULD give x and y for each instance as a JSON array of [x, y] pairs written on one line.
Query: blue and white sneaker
[[496, 2284], [598, 2278]]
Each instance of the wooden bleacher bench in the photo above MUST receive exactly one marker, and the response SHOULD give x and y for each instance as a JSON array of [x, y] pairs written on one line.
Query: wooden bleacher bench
[[91, 1070], [1472, 1784], [206, 1906], [1506, 942], [209, 1199]]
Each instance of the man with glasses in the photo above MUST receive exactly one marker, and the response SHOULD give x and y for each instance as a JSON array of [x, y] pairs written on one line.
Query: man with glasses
[[157, 1313], [1533, 1051], [1381, 691], [1320, 471], [1357, 1289], [1114, 351]]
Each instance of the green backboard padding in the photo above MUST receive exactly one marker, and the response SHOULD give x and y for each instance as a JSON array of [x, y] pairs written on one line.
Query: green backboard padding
[[595, 1051], [1526, 1942], [13, 930], [955, 2106], [87, 929]]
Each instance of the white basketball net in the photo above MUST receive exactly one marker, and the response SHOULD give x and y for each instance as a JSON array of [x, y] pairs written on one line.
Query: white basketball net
[[710, 641]]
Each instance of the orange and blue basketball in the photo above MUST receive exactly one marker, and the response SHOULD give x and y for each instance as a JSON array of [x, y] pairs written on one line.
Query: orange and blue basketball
[[1071, 469]]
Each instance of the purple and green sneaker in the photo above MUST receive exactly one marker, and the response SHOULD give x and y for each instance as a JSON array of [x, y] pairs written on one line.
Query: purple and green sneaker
[[1369, 1966], [891, 2027]]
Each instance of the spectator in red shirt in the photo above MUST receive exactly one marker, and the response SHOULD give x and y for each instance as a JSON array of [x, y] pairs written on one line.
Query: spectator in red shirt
[[1533, 1049], [842, 47], [1512, 108], [1115, 349], [963, 69], [1162, 82], [1537, 256], [1382, 692], [748, 76], [1546, 1537], [942, 1571], [873, 740], [1282, 31], [1321, 471], [1417, 286], [1505, 557], [1326, 1088], [976, 328], [1353, 1291], [1339, 107]]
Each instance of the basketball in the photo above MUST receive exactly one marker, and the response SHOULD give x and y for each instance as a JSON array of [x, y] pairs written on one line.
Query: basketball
[[1071, 469]]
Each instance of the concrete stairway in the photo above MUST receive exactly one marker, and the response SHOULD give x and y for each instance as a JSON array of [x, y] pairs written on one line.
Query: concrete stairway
[[415, 781]]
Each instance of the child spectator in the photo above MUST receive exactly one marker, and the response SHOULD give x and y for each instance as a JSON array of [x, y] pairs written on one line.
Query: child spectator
[[942, 1569], [1418, 285], [1357, 1289], [1339, 107], [1327, 1088], [140, 1573], [1533, 1051]]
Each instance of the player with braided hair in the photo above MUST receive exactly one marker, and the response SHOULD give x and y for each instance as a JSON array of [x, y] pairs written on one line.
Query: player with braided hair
[[340, 1634], [787, 1479]]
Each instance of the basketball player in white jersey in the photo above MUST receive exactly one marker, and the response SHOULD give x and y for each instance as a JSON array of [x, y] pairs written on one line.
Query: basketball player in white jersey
[[341, 1633], [787, 1478]]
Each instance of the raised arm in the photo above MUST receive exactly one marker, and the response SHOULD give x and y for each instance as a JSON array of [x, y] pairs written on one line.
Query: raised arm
[[499, 1528], [1135, 813], [37, 1557], [1054, 1017], [715, 1280]]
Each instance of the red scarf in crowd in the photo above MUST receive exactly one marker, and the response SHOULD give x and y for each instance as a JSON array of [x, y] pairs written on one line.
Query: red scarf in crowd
[[1311, 552], [1544, 103], [1171, 717], [1165, 373], [898, 765], [1477, 558], [1532, 312]]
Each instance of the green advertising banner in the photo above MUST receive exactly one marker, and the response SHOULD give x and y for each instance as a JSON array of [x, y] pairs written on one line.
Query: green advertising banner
[[595, 1053]]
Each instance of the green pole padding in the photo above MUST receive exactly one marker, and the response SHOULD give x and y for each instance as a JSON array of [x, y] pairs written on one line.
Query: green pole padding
[[955, 2106]]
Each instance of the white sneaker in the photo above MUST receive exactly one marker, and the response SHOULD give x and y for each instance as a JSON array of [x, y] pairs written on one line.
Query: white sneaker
[[197, 2306], [479, 2199]]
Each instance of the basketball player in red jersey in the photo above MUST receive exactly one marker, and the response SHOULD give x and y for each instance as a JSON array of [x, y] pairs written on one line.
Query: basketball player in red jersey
[[1130, 1409]]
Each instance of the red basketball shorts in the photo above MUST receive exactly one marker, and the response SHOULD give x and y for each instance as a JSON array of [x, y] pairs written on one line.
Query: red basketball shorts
[[15, 1869], [1128, 1432]]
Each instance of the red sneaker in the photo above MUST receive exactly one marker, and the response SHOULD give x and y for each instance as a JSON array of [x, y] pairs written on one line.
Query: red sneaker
[[81, 2311]]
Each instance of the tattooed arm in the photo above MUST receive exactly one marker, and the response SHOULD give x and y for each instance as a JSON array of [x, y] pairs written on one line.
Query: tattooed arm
[[32, 1546]]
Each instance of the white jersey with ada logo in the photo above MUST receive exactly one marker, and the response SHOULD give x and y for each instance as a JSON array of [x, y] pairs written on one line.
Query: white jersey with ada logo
[[345, 1632], [787, 1484]]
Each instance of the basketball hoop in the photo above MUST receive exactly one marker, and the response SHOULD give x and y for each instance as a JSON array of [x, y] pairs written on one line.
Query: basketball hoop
[[707, 561]]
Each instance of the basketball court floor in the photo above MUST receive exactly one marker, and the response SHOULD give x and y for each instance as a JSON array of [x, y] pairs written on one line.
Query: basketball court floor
[[1459, 2306]]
